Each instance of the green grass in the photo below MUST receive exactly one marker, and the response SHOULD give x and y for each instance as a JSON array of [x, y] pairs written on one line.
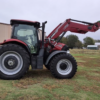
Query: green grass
[[41, 85]]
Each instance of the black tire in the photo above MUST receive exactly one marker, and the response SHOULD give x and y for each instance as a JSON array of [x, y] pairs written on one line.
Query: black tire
[[47, 66], [63, 66], [20, 65]]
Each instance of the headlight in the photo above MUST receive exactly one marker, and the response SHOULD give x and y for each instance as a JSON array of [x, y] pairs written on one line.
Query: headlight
[[68, 51]]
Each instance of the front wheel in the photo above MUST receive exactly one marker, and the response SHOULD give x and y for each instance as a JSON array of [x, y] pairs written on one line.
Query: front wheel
[[48, 67], [63, 66]]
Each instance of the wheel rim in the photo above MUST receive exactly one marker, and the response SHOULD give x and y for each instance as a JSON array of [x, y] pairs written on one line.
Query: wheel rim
[[11, 62], [64, 67]]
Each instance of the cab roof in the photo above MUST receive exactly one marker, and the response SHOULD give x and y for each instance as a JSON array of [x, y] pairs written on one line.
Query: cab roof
[[17, 21]]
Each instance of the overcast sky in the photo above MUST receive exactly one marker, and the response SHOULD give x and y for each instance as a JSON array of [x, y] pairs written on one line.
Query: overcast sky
[[53, 11]]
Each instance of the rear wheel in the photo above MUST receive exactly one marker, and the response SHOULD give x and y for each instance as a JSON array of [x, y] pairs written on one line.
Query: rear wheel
[[63, 66], [14, 61]]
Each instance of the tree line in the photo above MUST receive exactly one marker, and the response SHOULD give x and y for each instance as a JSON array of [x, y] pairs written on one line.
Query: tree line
[[73, 41]]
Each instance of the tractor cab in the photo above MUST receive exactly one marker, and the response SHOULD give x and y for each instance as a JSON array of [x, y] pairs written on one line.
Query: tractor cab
[[27, 32]]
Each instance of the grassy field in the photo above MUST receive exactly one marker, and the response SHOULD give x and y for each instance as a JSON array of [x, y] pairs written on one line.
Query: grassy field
[[41, 85]]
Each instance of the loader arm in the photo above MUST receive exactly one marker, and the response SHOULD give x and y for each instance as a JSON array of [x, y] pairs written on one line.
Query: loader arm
[[74, 26]]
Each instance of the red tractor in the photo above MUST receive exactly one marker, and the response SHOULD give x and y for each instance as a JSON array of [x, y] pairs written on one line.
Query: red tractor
[[25, 49]]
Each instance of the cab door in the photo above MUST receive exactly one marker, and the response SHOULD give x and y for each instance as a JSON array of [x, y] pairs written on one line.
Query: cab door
[[27, 34]]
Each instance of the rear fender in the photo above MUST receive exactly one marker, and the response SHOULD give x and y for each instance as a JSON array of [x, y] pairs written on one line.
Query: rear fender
[[16, 41], [53, 54]]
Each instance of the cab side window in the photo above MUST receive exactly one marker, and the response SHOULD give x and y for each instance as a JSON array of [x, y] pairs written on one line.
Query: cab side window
[[27, 34]]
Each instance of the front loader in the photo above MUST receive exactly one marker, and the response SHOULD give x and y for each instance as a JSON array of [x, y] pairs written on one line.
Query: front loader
[[25, 49]]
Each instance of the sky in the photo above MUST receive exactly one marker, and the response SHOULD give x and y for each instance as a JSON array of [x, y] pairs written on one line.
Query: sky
[[52, 11]]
